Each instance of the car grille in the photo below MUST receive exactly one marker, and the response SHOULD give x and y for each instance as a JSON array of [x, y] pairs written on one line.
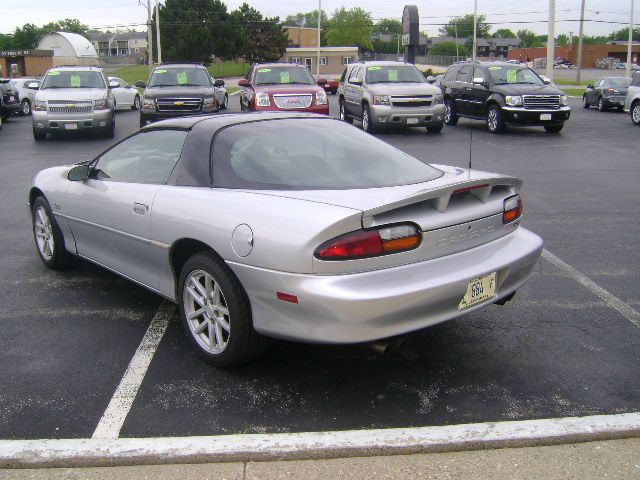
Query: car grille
[[70, 106], [293, 101], [541, 102], [179, 104], [411, 100]]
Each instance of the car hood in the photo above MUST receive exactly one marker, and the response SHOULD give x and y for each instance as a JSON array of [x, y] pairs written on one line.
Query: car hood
[[524, 89], [71, 93], [170, 92], [289, 88], [404, 89]]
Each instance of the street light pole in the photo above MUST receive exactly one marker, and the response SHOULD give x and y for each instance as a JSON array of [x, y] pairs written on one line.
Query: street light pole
[[475, 23], [158, 32], [149, 38], [550, 38], [319, 18], [630, 41], [580, 43]]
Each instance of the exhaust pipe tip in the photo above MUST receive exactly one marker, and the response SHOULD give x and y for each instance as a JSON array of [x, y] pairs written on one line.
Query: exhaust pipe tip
[[506, 299], [388, 345]]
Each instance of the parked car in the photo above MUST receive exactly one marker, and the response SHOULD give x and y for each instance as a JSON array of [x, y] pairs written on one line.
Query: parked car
[[10, 104], [632, 100], [282, 86], [26, 87], [331, 86], [175, 90], [382, 94], [286, 225], [126, 97], [71, 99], [606, 92], [502, 93], [221, 93]]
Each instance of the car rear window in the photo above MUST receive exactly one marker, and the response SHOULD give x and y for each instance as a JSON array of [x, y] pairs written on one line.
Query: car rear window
[[620, 82], [310, 154]]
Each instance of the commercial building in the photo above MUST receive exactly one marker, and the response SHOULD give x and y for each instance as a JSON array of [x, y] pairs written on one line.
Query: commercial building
[[332, 59]]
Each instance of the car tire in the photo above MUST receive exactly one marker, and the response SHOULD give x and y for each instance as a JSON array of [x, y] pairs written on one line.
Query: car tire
[[435, 128], [110, 131], [450, 117], [495, 122], [585, 102], [136, 103], [48, 236], [225, 102], [601, 107], [39, 136], [344, 116], [553, 128], [26, 107], [635, 113], [216, 312], [366, 119]]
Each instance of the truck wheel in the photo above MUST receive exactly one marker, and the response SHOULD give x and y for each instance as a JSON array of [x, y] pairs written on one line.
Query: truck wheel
[[450, 117], [495, 122], [635, 113]]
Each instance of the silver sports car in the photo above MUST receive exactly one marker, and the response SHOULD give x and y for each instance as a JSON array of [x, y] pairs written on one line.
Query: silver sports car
[[286, 225]]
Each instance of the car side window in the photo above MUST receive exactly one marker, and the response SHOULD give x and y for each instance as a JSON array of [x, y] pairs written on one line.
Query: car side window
[[344, 74], [451, 74], [148, 157], [465, 74], [355, 75], [598, 84]]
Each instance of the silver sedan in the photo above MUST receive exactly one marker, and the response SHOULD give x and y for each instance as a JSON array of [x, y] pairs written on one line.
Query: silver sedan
[[295, 226]]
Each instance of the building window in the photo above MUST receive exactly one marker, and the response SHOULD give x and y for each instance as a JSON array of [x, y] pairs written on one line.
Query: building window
[[294, 59], [323, 60], [346, 60], [308, 62]]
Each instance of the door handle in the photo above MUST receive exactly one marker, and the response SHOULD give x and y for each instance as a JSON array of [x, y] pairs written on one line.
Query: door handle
[[140, 208]]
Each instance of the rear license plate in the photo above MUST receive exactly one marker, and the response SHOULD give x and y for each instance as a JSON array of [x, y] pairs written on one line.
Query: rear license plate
[[479, 290], [412, 121], [545, 116], [70, 126]]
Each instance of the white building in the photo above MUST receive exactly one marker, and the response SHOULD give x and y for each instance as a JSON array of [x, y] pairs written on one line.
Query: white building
[[69, 49]]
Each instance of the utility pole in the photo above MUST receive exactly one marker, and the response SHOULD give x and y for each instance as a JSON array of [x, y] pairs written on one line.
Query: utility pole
[[319, 18], [475, 23], [158, 33], [149, 37], [580, 43], [551, 38], [455, 26], [630, 41]]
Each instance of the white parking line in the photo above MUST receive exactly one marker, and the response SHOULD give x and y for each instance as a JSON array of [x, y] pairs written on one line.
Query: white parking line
[[120, 404], [315, 445], [611, 300]]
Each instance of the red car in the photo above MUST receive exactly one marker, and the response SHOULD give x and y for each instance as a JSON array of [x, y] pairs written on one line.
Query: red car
[[282, 86], [331, 86]]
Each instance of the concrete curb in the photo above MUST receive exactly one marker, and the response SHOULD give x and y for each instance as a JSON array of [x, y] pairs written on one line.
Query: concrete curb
[[321, 445]]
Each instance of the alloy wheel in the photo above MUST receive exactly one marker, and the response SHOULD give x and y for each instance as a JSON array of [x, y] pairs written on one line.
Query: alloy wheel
[[635, 113], [44, 233], [492, 119], [206, 311], [26, 107], [365, 119], [447, 112]]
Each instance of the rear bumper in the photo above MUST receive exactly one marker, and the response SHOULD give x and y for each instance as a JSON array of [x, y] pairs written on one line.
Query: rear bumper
[[367, 306], [522, 116], [382, 115]]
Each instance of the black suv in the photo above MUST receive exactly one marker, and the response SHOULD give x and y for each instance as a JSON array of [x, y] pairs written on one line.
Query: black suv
[[501, 93], [9, 100], [175, 90]]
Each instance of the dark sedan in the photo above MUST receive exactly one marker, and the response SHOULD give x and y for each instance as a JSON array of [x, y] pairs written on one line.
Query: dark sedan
[[607, 92]]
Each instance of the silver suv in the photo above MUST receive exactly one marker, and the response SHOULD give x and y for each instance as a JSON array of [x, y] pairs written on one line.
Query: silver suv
[[73, 98], [388, 94], [632, 101]]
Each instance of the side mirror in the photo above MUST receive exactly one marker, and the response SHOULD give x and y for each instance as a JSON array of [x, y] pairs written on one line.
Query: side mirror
[[218, 83], [478, 80], [114, 84], [243, 82], [431, 79], [590, 86], [546, 80], [33, 85], [79, 173], [140, 84]]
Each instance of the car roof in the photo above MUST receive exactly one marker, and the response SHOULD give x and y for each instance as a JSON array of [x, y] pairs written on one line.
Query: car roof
[[279, 64], [77, 67], [180, 65], [383, 63]]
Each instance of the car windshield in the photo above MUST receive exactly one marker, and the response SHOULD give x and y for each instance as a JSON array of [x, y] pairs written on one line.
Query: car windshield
[[73, 79], [619, 82], [393, 74], [505, 74], [179, 77], [310, 154], [283, 75]]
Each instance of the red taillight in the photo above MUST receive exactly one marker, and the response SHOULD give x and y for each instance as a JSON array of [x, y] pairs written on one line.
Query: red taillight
[[370, 243], [513, 208]]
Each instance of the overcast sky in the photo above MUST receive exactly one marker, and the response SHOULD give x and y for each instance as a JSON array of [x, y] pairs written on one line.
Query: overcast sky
[[603, 16]]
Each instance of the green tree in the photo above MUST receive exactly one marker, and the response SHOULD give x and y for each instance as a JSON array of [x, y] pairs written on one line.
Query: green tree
[[261, 39], [194, 30], [26, 36], [504, 33], [388, 26], [623, 35], [528, 39], [562, 40], [448, 48], [350, 28], [71, 25], [464, 26], [6, 42]]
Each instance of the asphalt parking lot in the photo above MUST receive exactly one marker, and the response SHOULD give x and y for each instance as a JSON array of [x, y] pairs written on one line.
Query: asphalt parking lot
[[560, 348]]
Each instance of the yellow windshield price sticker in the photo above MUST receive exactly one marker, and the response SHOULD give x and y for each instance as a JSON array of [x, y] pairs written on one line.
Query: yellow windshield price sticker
[[75, 81], [182, 78], [284, 77], [495, 68], [373, 69], [264, 70], [512, 76], [161, 71], [53, 74], [393, 75]]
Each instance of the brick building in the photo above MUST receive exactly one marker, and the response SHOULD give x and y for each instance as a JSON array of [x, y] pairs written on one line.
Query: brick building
[[590, 53], [28, 63]]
